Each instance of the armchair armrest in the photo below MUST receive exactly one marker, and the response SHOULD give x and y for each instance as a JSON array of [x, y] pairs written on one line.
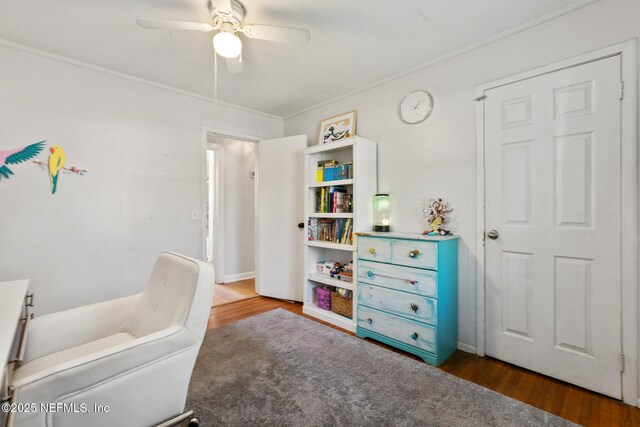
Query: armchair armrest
[[54, 332]]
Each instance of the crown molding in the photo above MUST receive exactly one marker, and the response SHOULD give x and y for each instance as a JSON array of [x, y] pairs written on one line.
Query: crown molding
[[412, 70], [118, 74], [450, 55]]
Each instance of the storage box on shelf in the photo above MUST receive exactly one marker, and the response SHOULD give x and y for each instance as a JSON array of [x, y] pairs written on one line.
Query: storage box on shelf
[[342, 305], [407, 288], [340, 181]]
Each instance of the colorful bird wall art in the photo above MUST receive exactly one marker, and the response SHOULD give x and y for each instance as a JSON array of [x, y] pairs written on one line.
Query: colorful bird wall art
[[57, 159], [54, 165], [18, 155]]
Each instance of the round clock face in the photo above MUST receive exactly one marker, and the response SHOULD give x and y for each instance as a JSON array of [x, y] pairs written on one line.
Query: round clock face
[[416, 106]]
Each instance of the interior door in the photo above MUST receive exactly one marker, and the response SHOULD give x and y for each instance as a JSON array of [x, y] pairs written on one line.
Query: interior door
[[280, 209], [552, 206]]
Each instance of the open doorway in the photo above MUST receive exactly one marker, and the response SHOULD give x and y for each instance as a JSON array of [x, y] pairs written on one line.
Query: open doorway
[[230, 221]]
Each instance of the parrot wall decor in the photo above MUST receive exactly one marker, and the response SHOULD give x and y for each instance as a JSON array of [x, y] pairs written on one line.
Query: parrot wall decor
[[55, 165], [57, 159], [18, 155]]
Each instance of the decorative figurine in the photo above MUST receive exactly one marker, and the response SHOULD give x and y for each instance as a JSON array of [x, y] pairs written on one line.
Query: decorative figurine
[[437, 215]]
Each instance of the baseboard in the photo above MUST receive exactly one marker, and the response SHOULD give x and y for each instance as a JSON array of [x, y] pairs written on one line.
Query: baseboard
[[240, 276], [466, 347]]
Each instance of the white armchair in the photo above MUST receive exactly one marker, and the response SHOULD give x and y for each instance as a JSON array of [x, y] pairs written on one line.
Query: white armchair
[[132, 356]]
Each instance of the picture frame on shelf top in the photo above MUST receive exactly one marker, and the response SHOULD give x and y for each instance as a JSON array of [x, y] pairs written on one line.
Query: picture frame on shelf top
[[337, 127]]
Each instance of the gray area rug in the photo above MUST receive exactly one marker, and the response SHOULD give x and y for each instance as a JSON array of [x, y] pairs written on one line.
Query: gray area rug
[[280, 369]]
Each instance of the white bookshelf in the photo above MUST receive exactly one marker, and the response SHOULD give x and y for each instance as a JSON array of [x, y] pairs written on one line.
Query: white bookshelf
[[363, 154]]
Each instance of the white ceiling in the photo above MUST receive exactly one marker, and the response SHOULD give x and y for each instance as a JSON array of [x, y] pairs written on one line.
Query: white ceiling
[[353, 43]]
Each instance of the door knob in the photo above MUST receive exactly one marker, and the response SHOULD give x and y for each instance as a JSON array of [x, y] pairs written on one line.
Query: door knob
[[493, 234], [301, 225]]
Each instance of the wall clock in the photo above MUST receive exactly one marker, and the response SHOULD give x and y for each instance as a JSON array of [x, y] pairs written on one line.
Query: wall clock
[[416, 106]]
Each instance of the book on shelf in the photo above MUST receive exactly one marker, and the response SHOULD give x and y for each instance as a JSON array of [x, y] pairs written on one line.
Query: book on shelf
[[336, 200], [347, 203], [346, 171], [333, 200], [331, 230], [312, 229], [332, 170], [347, 233], [320, 171]]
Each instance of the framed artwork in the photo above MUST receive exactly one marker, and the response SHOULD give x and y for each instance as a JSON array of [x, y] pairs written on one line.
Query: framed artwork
[[337, 127]]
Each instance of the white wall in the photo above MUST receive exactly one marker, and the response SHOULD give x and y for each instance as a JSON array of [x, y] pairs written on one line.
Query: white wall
[[437, 157], [98, 237], [239, 209]]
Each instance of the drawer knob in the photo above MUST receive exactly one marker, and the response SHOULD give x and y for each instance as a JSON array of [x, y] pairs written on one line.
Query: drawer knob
[[372, 251], [369, 320], [414, 307], [414, 253], [413, 282], [414, 336], [370, 273]]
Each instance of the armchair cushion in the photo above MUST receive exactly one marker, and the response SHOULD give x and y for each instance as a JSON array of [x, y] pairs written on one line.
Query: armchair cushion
[[72, 354], [168, 296], [71, 328]]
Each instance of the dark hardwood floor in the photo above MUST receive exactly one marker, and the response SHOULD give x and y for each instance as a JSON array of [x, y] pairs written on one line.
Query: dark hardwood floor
[[565, 400]]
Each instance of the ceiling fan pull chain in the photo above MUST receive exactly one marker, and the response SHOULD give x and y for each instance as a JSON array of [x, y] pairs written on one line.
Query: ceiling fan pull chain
[[215, 77]]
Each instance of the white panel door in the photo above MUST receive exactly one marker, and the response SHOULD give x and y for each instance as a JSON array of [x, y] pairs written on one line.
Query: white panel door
[[552, 193], [280, 209]]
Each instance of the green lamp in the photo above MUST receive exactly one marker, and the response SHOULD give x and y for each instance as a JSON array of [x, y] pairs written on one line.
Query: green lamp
[[381, 207]]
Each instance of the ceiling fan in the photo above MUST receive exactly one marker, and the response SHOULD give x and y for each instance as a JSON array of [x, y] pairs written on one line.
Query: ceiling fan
[[228, 19]]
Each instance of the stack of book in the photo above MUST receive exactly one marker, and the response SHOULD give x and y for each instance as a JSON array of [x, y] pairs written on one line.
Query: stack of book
[[332, 170], [333, 200], [331, 230]]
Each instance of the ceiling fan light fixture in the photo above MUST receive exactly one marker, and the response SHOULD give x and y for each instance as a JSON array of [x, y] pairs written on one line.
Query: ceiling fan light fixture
[[227, 44]]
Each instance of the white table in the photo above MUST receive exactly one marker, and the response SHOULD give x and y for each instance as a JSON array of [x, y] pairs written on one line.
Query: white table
[[13, 315]]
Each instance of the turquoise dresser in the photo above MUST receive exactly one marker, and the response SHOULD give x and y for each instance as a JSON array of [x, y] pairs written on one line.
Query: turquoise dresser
[[407, 292]]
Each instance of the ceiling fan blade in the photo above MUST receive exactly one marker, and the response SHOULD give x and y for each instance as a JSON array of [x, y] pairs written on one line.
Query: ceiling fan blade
[[234, 65], [222, 6], [173, 25], [299, 36]]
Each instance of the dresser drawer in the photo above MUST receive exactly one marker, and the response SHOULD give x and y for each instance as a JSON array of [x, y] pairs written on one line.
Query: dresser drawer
[[409, 332], [413, 280], [374, 249], [414, 253], [403, 304]]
